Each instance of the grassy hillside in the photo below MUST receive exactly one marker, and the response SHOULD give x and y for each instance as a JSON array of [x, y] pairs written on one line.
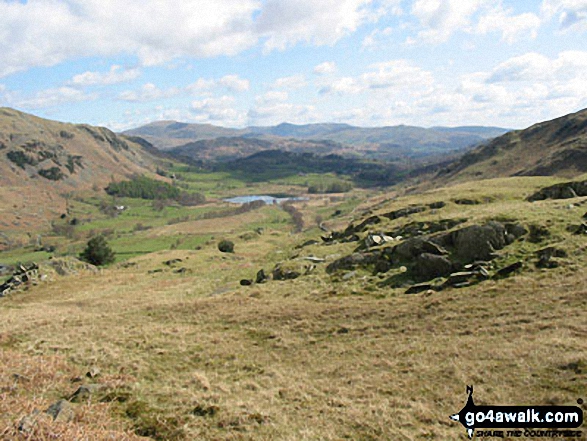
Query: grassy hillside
[[185, 352], [42, 161], [557, 148]]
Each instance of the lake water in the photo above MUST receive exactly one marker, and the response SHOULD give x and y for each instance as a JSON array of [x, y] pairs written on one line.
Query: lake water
[[265, 198]]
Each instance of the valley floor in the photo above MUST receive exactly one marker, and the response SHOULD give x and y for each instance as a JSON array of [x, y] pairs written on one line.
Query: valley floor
[[193, 355]]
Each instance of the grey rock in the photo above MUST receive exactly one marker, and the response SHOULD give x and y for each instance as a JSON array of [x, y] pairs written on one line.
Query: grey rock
[[420, 287], [61, 411], [429, 266], [412, 248], [479, 242], [261, 276], [508, 270]]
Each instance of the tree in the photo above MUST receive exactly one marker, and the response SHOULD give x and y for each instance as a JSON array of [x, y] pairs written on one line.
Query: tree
[[98, 252]]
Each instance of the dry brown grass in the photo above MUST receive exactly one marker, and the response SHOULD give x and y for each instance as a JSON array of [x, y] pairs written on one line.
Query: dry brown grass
[[200, 357]]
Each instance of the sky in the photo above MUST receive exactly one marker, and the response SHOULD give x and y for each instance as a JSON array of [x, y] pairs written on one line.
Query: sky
[[237, 63]]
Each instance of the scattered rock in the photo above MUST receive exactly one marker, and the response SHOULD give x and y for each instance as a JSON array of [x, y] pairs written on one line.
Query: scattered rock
[[506, 271], [546, 255], [478, 242], [308, 243], [565, 190], [352, 261], [27, 422], [514, 231], [375, 240], [93, 372], [578, 229], [280, 273], [261, 276], [181, 270], [85, 392], [466, 202], [412, 248], [61, 411], [172, 262], [314, 259], [415, 289], [246, 282], [404, 212], [205, 411], [538, 233], [460, 279], [349, 275], [429, 266], [437, 205]]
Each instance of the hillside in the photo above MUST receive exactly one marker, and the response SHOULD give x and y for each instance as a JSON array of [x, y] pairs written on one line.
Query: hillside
[[41, 161], [306, 335], [226, 149], [550, 148], [377, 142]]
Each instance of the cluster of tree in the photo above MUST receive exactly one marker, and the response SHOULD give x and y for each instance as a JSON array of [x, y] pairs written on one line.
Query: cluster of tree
[[272, 164], [296, 216], [244, 208], [334, 187], [143, 187]]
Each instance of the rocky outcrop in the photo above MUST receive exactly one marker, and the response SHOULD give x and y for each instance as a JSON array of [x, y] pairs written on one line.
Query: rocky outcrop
[[565, 190]]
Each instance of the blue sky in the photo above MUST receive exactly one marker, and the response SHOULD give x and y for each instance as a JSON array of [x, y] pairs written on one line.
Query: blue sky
[[261, 62]]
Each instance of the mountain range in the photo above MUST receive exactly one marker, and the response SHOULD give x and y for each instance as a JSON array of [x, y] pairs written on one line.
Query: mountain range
[[209, 142]]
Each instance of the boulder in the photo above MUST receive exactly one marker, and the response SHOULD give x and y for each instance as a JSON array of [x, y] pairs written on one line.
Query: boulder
[[261, 276], [437, 205], [429, 266], [461, 279], [352, 261], [404, 212], [565, 190], [420, 287], [61, 411], [280, 273], [508, 270], [246, 282], [478, 242], [412, 248]]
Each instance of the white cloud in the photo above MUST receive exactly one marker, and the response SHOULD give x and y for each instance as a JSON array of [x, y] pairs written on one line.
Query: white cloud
[[217, 110], [149, 92], [291, 82], [117, 74], [275, 113], [201, 85], [373, 39], [396, 75], [571, 14], [327, 67], [47, 32], [54, 97], [272, 96], [441, 18], [234, 83], [512, 27], [286, 22]]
